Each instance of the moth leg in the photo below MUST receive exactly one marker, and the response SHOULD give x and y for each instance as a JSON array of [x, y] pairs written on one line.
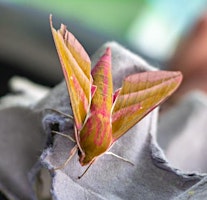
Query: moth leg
[[64, 135], [86, 169], [72, 153], [117, 156], [61, 113]]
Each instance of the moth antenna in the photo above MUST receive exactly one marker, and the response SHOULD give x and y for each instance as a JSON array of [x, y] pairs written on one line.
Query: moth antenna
[[64, 135], [72, 153], [119, 157], [86, 169], [59, 112]]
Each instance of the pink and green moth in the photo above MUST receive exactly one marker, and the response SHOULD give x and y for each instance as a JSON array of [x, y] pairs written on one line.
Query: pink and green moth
[[101, 116]]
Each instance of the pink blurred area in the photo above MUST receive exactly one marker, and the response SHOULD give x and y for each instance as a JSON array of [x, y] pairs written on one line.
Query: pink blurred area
[[190, 58]]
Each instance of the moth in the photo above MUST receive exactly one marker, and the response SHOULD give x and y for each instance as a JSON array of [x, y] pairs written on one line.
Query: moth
[[101, 117]]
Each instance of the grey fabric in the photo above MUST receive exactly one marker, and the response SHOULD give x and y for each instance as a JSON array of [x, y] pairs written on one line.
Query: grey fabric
[[109, 177], [198, 191], [151, 177], [182, 133], [21, 143]]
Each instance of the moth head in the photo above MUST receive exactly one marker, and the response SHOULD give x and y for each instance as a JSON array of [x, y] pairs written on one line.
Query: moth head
[[85, 159]]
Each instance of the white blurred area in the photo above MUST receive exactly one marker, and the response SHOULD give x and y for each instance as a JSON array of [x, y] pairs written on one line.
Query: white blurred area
[[157, 29]]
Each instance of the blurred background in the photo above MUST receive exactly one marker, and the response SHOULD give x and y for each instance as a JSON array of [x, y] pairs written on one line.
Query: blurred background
[[153, 29], [168, 34]]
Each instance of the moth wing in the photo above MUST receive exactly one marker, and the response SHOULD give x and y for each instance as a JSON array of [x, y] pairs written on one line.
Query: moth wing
[[139, 95], [96, 135], [76, 66]]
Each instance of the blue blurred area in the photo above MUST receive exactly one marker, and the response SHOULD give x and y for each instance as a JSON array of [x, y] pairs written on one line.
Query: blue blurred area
[[158, 28]]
